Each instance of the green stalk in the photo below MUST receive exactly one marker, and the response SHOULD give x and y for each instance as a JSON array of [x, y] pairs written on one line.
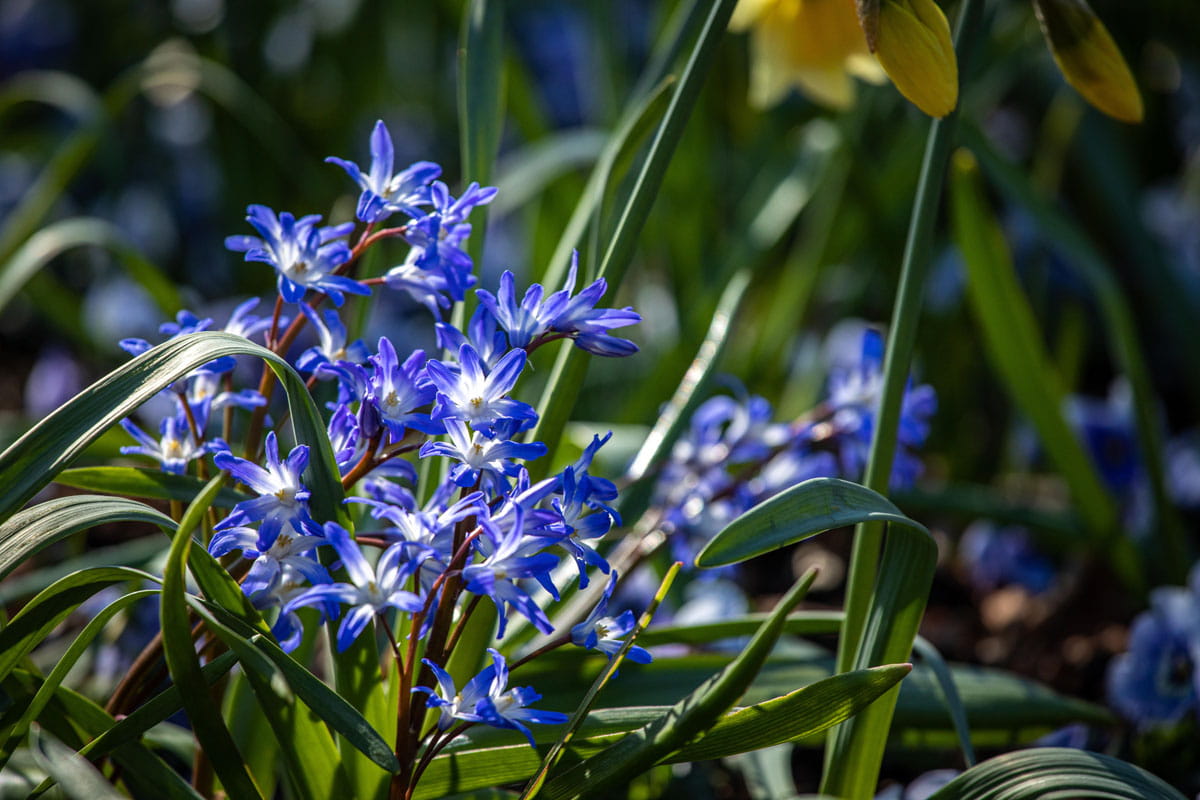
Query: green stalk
[[868, 537]]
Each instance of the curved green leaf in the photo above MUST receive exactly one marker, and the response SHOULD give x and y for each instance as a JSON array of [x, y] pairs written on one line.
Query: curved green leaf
[[945, 682], [78, 778], [56, 238], [184, 665], [522, 174], [67, 660], [689, 717], [324, 702], [52, 605], [137, 482], [490, 756], [806, 509], [897, 601], [33, 460], [1014, 346], [34, 528], [1055, 772]]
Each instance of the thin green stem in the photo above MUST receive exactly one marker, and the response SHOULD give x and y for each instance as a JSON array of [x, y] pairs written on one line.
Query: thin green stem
[[868, 537]]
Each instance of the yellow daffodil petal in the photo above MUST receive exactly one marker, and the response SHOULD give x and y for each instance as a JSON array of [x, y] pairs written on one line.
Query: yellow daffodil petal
[[915, 50], [1088, 57], [746, 13]]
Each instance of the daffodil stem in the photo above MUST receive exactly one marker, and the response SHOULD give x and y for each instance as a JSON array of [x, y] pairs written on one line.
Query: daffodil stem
[[864, 560]]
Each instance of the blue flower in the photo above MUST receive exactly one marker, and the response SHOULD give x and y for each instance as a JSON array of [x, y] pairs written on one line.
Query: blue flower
[[175, 449], [270, 557], [331, 344], [383, 193], [282, 499], [303, 255], [482, 460], [482, 333], [506, 563], [1157, 682], [854, 396], [486, 698], [369, 593], [395, 391], [286, 586], [997, 557], [466, 391], [589, 325], [603, 633], [579, 517], [437, 237], [576, 317]]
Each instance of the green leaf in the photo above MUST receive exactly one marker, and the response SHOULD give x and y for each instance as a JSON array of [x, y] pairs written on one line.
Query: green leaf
[[803, 511], [184, 665], [56, 238], [802, 623], [1015, 349], [78, 778], [945, 682], [678, 410], [526, 172], [1119, 327], [897, 601], [327, 704], [33, 460], [480, 100], [43, 613], [562, 389], [13, 734], [136, 482], [491, 756], [688, 718], [46, 523], [1056, 772], [153, 711], [134, 553]]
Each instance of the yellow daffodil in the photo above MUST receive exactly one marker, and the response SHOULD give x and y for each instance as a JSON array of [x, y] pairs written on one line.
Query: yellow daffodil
[[1088, 57], [817, 45], [813, 45]]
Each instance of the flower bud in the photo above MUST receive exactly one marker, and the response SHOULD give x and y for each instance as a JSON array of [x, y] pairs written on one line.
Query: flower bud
[[1088, 57], [911, 39]]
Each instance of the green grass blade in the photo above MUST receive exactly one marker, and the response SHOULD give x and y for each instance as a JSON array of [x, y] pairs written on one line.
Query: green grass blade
[[523, 174], [50, 446], [325, 703], [56, 238], [78, 778], [492, 757], [1056, 772], [136, 553], [678, 410], [137, 482], [480, 102], [603, 773], [15, 733], [40, 526], [68, 712], [562, 389], [1119, 326], [52, 605], [589, 699], [802, 623], [1014, 347], [184, 665], [945, 683]]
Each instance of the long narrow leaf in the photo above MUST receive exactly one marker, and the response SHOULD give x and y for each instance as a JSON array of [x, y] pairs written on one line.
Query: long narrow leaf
[[52, 605], [51, 445], [696, 713], [1015, 349], [136, 482], [1056, 772], [184, 664], [79, 779], [46, 523]]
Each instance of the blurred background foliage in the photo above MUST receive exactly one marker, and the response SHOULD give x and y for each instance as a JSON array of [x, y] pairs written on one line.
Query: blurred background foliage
[[165, 119]]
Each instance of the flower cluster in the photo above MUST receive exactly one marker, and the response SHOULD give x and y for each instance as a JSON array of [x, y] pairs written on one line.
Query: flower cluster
[[734, 455], [488, 529]]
